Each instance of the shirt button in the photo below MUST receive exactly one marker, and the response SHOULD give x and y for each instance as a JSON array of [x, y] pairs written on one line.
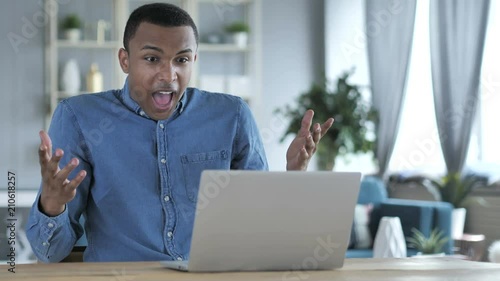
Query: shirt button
[[170, 234], [166, 198], [141, 113], [163, 160], [50, 225], [179, 258], [45, 243], [162, 126]]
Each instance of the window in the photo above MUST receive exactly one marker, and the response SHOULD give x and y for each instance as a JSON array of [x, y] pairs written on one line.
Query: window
[[488, 137], [417, 146]]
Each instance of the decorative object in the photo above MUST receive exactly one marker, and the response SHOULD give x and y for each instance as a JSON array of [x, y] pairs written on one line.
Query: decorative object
[[472, 246], [94, 79], [494, 252], [458, 222], [102, 27], [239, 32], [427, 245], [355, 119], [71, 25], [389, 240], [70, 78]]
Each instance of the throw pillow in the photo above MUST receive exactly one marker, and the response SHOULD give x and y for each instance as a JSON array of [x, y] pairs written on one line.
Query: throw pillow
[[361, 237]]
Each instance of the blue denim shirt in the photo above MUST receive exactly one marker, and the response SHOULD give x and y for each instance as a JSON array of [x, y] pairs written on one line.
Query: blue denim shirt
[[139, 196]]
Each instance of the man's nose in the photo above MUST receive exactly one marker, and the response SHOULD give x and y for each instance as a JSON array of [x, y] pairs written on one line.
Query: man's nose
[[167, 72]]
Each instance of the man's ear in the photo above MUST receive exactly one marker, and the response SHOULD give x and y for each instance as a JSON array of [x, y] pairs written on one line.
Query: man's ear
[[123, 59], [195, 56]]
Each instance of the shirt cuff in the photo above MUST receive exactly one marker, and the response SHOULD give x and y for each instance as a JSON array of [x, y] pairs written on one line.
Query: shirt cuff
[[48, 226]]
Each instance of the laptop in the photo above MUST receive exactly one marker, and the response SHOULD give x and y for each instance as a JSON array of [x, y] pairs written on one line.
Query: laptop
[[261, 220]]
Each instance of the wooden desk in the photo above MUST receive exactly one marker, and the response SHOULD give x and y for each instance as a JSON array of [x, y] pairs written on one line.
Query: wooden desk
[[422, 269]]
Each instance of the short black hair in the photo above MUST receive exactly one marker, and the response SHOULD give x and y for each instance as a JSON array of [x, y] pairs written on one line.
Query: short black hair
[[162, 14]]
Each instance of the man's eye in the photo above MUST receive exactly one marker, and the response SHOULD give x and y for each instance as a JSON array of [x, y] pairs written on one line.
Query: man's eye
[[183, 60], [151, 59]]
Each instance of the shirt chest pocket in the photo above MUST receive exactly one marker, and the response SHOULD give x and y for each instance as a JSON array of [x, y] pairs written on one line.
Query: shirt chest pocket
[[194, 164]]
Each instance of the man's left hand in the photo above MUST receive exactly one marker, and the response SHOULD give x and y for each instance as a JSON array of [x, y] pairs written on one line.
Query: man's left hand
[[305, 143]]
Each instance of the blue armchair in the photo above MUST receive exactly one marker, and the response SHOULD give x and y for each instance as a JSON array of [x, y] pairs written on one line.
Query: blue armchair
[[422, 215]]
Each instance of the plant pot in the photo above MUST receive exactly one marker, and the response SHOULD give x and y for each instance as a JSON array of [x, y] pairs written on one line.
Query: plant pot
[[422, 255], [457, 222], [72, 35], [240, 39]]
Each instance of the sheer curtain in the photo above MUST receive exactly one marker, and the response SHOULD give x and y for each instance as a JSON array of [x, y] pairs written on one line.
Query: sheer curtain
[[457, 32], [490, 91], [389, 29]]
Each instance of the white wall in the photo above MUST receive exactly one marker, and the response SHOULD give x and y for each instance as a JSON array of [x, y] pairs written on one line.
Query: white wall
[[292, 58], [345, 42], [345, 39]]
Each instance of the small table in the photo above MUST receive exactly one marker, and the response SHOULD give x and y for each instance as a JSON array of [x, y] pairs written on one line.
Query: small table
[[471, 245]]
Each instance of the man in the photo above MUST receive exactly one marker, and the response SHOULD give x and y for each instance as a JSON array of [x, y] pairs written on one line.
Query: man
[[134, 156]]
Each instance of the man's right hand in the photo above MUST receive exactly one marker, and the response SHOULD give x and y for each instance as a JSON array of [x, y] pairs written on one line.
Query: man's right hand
[[57, 190]]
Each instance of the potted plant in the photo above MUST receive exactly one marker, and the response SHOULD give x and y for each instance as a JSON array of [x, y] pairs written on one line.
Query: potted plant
[[239, 31], [453, 188], [354, 118], [427, 245], [71, 25]]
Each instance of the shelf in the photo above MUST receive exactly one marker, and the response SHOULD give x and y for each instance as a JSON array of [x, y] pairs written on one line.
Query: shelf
[[222, 58], [205, 47], [88, 44]]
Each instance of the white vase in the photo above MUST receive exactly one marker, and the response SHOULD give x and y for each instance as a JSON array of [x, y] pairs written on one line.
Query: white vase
[[72, 35], [70, 78], [389, 240], [457, 222], [240, 39]]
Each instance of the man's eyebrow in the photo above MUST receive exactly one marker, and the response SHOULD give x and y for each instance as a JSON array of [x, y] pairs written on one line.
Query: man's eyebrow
[[188, 50], [149, 47]]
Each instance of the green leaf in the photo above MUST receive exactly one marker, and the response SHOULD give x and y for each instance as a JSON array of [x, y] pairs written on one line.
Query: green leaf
[[427, 245], [344, 102]]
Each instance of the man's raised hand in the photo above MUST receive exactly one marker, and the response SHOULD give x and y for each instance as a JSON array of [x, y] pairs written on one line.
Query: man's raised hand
[[57, 189], [305, 143]]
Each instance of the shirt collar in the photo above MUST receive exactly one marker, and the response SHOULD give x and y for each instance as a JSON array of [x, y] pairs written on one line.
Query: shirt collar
[[135, 107]]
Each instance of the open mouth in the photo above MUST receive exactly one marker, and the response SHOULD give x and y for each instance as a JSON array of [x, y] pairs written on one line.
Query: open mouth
[[163, 99]]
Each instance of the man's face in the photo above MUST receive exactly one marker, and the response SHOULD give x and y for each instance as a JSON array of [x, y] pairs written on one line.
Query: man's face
[[159, 64]]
